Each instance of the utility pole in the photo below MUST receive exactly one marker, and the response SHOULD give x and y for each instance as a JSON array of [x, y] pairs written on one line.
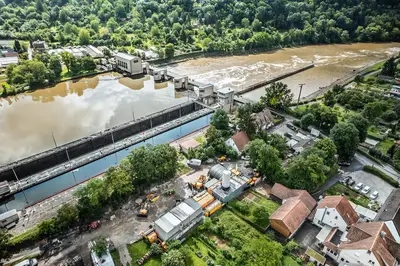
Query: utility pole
[[133, 115], [301, 88], [54, 139]]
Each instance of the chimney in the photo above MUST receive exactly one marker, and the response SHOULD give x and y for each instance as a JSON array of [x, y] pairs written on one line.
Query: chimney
[[226, 179]]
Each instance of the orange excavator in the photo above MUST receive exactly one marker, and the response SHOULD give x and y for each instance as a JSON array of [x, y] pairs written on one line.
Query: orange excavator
[[200, 181]]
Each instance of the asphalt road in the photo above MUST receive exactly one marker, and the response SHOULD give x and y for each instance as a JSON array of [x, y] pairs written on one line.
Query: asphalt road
[[387, 169]]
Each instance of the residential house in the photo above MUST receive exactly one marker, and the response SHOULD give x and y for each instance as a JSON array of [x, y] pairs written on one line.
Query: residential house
[[238, 141], [335, 211], [263, 119], [296, 207], [389, 213], [363, 244]]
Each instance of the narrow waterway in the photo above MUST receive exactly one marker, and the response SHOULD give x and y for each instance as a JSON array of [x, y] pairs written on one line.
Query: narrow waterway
[[75, 109], [332, 62], [67, 180]]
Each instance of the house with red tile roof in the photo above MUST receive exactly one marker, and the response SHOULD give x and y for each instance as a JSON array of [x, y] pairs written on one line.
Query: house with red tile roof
[[335, 211], [296, 207], [369, 243], [238, 141]]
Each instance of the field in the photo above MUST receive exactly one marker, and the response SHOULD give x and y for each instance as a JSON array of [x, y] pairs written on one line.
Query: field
[[138, 249], [385, 145], [248, 202]]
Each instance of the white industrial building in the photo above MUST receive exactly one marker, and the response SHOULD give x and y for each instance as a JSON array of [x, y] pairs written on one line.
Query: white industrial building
[[129, 63], [225, 98], [176, 223]]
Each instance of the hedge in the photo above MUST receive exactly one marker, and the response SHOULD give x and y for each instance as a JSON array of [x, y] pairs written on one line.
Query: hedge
[[28, 236], [380, 174]]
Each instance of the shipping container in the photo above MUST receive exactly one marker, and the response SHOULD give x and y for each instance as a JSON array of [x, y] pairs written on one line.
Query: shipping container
[[213, 207], [204, 202]]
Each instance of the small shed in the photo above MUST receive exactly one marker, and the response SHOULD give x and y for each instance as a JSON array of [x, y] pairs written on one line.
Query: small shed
[[189, 144], [315, 256]]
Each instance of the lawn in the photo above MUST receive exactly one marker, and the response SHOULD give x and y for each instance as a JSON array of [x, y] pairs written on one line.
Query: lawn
[[385, 145], [201, 139], [248, 202], [352, 195], [289, 261], [115, 255], [138, 249]]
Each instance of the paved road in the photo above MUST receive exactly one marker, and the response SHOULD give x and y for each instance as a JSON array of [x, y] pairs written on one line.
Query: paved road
[[387, 169]]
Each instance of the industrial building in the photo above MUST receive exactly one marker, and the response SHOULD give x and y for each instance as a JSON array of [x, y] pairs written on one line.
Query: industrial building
[[8, 219], [129, 63], [176, 223], [79, 51], [225, 98], [181, 82], [232, 184]]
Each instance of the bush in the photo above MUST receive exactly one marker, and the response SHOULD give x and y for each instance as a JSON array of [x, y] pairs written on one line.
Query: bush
[[380, 174]]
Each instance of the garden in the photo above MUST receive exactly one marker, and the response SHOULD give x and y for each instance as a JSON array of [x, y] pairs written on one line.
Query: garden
[[351, 195], [254, 207]]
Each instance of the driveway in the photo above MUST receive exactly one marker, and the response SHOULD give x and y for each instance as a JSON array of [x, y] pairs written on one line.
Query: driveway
[[375, 183], [306, 236]]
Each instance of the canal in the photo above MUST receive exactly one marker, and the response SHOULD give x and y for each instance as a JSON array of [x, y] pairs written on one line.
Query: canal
[[39, 192]]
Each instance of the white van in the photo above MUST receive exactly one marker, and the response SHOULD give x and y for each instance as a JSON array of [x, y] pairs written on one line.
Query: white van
[[30, 262]]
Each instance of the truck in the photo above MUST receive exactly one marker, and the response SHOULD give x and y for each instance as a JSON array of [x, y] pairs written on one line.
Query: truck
[[194, 163]]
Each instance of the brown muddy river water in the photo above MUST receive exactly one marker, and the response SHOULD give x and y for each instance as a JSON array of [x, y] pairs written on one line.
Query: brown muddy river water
[[332, 62], [74, 109]]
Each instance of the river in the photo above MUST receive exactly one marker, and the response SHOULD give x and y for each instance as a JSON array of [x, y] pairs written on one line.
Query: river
[[75, 109], [332, 62]]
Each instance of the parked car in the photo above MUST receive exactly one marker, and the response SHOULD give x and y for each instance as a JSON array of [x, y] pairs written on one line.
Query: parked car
[[374, 195], [365, 190], [350, 182], [359, 186]]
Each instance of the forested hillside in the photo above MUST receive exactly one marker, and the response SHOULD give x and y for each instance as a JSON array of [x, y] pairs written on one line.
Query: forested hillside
[[212, 25]]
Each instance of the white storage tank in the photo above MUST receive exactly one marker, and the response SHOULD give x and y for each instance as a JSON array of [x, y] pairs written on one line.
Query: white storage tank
[[226, 179]]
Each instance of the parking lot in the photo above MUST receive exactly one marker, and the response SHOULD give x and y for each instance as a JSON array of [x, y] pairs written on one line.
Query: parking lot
[[375, 183]]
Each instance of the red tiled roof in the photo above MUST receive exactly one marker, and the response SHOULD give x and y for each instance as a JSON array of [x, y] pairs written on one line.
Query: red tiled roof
[[241, 140], [297, 205], [375, 237], [342, 206]]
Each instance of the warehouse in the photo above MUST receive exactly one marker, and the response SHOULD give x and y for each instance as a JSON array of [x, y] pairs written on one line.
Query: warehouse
[[129, 63], [176, 223]]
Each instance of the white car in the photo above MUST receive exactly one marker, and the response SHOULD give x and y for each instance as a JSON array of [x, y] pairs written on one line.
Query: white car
[[359, 186], [365, 190], [374, 195]]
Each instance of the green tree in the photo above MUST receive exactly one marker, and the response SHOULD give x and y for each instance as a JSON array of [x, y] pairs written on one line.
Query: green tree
[[67, 58], [373, 110], [245, 119], [91, 199], [220, 120], [4, 245], [48, 228], [17, 46], [361, 124], [265, 159], [99, 246], [261, 215], [389, 68], [390, 116], [55, 65], [307, 120], [67, 216], [346, 138], [88, 63], [173, 258], [156, 250], [84, 37], [118, 183], [169, 50], [329, 148], [329, 98], [277, 96]]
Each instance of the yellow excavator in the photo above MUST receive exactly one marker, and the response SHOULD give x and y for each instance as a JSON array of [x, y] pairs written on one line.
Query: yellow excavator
[[200, 181]]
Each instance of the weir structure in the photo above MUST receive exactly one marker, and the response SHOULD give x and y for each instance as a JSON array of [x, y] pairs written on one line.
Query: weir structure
[[49, 164]]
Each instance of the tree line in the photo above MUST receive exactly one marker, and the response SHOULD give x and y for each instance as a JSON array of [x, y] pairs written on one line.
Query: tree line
[[215, 25]]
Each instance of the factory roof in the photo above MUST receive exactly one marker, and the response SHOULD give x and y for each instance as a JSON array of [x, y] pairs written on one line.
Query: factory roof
[[225, 90], [173, 218], [126, 56], [7, 214], [211, 183]]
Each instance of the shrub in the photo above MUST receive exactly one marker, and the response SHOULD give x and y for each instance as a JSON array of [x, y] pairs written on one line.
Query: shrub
[[380, 174]]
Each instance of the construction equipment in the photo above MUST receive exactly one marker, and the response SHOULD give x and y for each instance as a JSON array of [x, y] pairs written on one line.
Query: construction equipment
[[222, 159], [143, 210], [152, 197], [200, 181]]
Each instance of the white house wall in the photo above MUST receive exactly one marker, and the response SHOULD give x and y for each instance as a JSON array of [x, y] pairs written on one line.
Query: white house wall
[[393, 230], [331, 218], [358, 257]]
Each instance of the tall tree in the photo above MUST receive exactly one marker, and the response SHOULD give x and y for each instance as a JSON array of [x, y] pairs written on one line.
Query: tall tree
[[265, 159], [389, 68], [4, 245], [55, 65], [346, 138], [246, 121], [173, 258], [169, 50], [68, 59], [277, 96], [84, 37], [361, 124], [220, 120]]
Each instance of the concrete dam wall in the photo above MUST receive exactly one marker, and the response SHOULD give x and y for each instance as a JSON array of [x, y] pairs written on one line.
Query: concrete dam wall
[[62, 154]]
